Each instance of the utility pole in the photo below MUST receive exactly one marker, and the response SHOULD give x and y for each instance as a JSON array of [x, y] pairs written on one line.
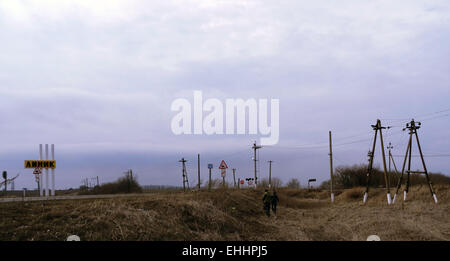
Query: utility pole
[[198, 166], [210, 168], [391, 158], [377, 128], [5, 177], [98, 184], [331, 168], [255, 147], [185, 178], [413, 126], [270, 173], [234, 177], [239, 183]]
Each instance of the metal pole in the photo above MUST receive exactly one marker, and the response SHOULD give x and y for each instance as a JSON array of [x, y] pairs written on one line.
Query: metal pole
[[41, 178], [270, 173], [234, 177], [331, 168], [198, 166], [209, 184], [53, 170], [46, 172], [254, 160], [223, 180]]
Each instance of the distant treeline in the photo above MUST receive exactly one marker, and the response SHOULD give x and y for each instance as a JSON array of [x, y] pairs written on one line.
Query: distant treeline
[[126, 184], [356, 176]]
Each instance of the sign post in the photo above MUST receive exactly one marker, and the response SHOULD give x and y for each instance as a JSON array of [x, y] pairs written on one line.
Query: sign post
[[309, 181], [53, 170], [46, 164], [250, 181], [223, 167], [41, 184]]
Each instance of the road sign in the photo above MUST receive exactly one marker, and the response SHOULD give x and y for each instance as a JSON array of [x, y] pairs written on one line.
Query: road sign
[[210, 166], [223, 172], [223, 165], [45, 164], [242, 182], [37, 171]]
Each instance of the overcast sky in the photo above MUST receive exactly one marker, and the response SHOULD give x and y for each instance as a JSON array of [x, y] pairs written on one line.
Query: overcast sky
[[97, 79]]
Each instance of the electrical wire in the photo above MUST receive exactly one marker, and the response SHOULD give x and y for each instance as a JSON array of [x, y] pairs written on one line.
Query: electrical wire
[[428, 156]]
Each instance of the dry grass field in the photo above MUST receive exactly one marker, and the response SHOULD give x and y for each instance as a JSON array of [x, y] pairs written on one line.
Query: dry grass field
[[232, 215]]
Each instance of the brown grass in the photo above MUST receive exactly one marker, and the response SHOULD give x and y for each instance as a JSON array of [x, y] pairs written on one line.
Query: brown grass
[[232, 215]]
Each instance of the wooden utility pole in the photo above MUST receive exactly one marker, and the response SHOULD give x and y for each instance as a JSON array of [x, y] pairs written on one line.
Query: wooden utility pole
[[331, 168], [198, 166], [270, 173], [5, 177], [391, 159], [377, 128], [239, 183], [255, 147], [389, 147], [185, 177], [413, 126], [234, 177]]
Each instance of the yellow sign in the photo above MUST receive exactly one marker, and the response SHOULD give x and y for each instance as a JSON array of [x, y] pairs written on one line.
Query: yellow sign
[[42, 164]]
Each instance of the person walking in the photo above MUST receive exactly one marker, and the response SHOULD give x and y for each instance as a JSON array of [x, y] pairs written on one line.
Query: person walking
[[266, 202], [274, 203]]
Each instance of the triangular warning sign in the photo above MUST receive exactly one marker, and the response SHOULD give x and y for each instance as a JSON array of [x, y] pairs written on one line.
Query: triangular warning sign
[[223, 165]]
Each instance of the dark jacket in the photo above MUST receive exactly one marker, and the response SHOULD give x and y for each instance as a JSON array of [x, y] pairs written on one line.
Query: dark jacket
[[266, 198], [274, 199]]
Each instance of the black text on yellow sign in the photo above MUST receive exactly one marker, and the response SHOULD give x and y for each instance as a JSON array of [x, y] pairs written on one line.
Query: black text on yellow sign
[[42, 164]]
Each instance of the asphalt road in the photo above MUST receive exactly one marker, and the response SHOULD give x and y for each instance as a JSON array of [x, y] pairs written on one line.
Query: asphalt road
[[21, 199]]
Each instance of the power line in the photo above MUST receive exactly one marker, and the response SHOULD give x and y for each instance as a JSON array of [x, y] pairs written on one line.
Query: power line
[[419, 116], [430, 155], [436, 117]]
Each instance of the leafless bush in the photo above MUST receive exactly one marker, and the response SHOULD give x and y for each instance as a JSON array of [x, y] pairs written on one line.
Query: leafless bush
[[293, 184]]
